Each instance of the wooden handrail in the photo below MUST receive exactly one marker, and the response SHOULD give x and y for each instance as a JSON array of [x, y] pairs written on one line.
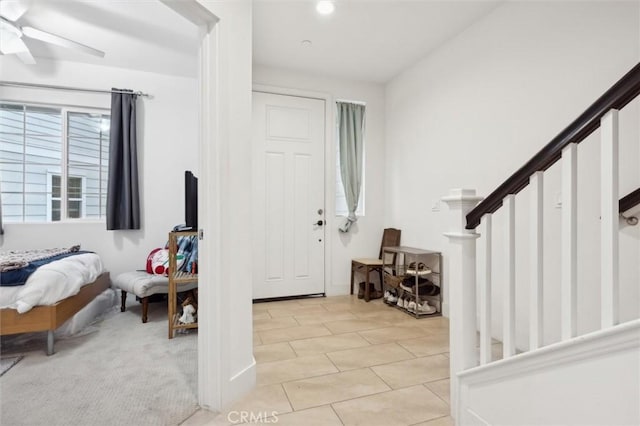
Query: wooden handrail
[[630, 200], [619, 95]]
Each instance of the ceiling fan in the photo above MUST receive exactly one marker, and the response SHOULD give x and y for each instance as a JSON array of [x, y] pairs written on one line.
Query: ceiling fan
[[12, 35]]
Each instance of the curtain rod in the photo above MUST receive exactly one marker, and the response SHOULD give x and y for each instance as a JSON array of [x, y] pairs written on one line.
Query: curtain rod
[[73, 89], [346, 101]]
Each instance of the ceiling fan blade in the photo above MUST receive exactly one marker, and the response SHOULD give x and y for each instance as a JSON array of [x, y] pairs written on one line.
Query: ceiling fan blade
[[10, 43], [14, 45], [13, 9], [60, 41], [26, 57]]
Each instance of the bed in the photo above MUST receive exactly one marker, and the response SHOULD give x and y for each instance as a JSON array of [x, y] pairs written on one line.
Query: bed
[[51, 295]]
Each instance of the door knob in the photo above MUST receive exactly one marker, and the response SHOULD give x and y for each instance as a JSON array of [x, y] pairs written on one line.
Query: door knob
[[320, 222]]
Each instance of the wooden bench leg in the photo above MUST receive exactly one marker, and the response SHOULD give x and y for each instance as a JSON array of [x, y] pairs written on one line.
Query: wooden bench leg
[[352, 277], [145, 308], [123, 298]]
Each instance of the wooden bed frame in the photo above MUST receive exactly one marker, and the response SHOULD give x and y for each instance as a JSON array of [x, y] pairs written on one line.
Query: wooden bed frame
[[48, 318]]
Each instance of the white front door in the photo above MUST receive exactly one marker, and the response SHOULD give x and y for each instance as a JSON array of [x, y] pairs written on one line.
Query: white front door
[[288, 191]]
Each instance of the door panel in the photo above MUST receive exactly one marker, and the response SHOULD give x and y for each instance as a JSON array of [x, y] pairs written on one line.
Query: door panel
[[288, 190]]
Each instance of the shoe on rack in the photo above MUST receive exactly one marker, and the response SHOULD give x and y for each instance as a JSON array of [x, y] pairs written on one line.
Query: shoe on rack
[[392, 298], [406, 304], [425, 308], [412, 306], [400, 302], [422, 269], [386, 295]]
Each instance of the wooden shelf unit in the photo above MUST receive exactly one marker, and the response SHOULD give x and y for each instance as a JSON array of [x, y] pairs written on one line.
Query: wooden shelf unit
[[176, 278]]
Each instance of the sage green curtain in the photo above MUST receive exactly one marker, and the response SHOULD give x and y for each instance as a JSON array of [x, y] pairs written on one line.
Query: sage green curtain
[[351, 139]]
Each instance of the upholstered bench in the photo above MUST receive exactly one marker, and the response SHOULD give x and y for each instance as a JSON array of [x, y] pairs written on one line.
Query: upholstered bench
[[143, 285]]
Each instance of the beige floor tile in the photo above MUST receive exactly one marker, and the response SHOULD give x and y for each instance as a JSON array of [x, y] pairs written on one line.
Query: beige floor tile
[[414, 371], [294, 369], [441, 421], [297, 310], [292, 333], [340, 299], [256, 339], [333, 387], [273, 323], [261, 400], [320, 345], [319, 318], [430, 344], [280, 304], [260, 404], [316, 300], [442, 388], [273, 352], [318, 416], [261, 315], [391, 334], [400, 407], [348, 326], [367, 356], [354, 306], [383, 314]]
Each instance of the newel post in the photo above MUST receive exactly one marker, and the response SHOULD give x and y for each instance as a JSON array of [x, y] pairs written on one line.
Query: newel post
[[461, 280]]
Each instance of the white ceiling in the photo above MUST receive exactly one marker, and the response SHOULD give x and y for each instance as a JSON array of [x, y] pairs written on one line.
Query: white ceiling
[[367, 40], [138, 34]]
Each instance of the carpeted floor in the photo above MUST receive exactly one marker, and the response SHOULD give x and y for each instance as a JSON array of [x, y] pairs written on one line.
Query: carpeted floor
[[7, 362], [118, 371]]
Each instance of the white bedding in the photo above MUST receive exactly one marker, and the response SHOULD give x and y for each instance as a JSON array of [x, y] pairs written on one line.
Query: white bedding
[[52, 282]]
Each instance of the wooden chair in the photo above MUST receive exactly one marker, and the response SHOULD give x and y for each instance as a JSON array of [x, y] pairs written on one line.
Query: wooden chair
[[390, 238]]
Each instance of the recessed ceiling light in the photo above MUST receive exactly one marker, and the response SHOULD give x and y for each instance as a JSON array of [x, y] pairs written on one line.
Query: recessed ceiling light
[[325, 7], [306, 43]]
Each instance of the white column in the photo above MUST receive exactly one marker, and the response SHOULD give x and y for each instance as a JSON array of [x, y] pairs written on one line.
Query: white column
[[461, 279], [609, 218], [536, 323], [569, 258], [509, 294], [485, 294]]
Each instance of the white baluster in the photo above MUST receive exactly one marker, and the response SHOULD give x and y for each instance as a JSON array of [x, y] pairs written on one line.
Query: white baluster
[[609, 218], [485, 294], [536, 301], [461, 281], [509, 294], [568, 285]]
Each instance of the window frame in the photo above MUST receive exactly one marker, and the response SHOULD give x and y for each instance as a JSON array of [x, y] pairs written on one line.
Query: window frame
[[64, 110]]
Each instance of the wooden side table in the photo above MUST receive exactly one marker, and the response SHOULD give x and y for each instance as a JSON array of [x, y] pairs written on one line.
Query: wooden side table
[[367, 266]]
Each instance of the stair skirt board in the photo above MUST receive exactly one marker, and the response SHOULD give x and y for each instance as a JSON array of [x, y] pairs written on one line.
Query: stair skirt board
[[591, 379]]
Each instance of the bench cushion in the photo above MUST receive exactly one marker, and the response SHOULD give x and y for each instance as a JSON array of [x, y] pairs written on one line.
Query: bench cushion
[[143, 284]]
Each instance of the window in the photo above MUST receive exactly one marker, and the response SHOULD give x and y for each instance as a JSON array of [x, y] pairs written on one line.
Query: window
[[53, 163]]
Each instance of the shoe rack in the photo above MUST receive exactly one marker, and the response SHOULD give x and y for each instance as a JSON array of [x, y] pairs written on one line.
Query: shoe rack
[[176, 279], [408, 273]]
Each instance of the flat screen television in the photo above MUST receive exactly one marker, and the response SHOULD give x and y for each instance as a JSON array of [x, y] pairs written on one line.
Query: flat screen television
[[190, 200]]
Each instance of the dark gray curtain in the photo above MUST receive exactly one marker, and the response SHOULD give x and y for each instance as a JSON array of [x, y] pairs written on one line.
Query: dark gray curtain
[[123, 200]]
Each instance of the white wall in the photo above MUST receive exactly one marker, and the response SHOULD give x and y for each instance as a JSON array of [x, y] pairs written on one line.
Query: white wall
[[167, 146], [225, 340], [364, 237], [471, 113], [590, 381]]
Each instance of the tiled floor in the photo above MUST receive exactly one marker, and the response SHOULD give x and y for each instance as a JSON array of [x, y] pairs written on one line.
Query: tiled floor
[[340, 360]]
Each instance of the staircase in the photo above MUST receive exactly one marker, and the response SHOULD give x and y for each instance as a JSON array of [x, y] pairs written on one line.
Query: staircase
[[580, 377]]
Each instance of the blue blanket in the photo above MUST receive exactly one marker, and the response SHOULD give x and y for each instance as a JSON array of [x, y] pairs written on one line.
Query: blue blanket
[[19, 276]]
